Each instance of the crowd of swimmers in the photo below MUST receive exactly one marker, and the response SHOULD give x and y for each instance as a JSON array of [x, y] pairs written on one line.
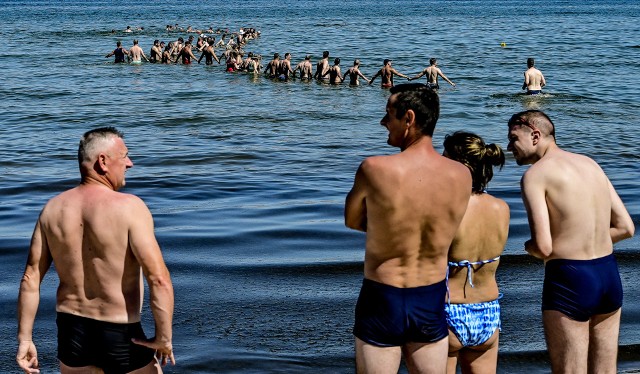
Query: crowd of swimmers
[[280, 68]]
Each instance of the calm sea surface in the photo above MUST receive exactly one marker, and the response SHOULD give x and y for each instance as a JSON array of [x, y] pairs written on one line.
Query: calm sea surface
[[246, 177]]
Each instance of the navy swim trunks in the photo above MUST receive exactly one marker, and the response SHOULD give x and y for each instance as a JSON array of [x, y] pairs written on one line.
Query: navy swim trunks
[[388, 316], [581, 289], [88, 342]]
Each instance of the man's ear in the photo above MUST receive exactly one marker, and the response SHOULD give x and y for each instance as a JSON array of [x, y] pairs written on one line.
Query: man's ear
[[410, 117], [100, 165], [536, 136]]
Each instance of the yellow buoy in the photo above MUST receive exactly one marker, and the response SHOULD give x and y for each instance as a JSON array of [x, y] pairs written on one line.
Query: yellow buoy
[[503, 44]]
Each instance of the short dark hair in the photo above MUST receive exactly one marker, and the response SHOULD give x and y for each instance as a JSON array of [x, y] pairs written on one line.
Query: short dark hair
[[432, 61], [530, 62], [424, 102], [534, 119], [90, 139], [325, 54]]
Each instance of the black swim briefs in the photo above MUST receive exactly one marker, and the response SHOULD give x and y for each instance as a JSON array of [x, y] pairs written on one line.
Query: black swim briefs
[[388, 316], [89, 342], [582, 288]]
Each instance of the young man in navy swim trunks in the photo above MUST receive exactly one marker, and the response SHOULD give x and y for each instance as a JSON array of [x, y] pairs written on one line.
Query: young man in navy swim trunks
[[575, 216], [100, 241], [410, 205]]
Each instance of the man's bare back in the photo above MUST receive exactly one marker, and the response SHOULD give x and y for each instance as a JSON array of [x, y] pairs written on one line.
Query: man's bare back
[[408, 247], [101, 242]]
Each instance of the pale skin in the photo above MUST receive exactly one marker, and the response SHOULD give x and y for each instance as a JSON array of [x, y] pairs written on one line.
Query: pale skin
[[433, 72], [354, 73], [574, 213], [533, 79], [105, 241], [137, 54], [482, 235], [306, 69], [335, 77], [386, 74], [410, 205], [322, 68]]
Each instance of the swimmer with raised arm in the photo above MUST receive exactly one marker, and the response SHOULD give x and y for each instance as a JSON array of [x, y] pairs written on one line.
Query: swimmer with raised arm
[[433, 72], [386, 73], [472, 309], [354, 73]]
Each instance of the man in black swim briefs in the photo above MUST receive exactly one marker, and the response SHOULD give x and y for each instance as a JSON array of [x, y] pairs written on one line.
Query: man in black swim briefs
[[575, 216], [410, 205], [100, 241]]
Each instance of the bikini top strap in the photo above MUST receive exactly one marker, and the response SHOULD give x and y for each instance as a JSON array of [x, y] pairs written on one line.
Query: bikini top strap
[[469, 266]]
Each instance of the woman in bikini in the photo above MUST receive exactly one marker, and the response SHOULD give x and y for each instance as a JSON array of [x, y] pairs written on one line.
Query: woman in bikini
[[472, 308]]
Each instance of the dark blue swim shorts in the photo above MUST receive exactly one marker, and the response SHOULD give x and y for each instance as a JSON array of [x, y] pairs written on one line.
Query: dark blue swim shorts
[[581, 289]]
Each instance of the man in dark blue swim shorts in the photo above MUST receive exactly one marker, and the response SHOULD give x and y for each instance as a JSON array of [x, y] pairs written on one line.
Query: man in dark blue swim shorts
[[575, 216], [410, 205]]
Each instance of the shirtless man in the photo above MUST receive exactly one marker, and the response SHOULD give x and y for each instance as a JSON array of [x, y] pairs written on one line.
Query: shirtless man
[[533, 79], [186, 54], [156, 52], [284, 69], [335, 77], [305, 67], [272, 67], [575, 216], [433, 72], [322, 67], [387, 73], [410, 205], [210, 55], [119, 53], [353, 73], [100, 241], [136, 53]]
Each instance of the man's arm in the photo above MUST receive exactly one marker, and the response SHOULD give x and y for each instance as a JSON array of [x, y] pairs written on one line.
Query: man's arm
[[533, 196], [38, 264], [394, 71], [526, 81], [542, 81], [355, 207], [419, 75], [147, 251], [445, 78], [201, 56], [375, 76], [622, 226]]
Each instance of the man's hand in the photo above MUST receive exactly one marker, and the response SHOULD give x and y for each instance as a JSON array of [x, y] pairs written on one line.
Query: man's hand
[[164, 349], [27, 357]]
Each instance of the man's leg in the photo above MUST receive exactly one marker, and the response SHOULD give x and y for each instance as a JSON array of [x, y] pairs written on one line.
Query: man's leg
[[427, 357], [603, 343], [567, 342], [376, 360]]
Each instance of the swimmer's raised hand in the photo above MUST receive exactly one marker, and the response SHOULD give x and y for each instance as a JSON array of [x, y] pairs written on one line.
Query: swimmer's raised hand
[[27, 357]]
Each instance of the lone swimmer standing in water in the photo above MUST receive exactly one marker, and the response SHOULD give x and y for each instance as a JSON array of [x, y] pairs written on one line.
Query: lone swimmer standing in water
[[533, 79]]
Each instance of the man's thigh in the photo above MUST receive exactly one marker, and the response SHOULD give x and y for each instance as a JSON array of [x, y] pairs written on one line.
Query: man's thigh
[[427, 357], [567, 342], [603, 342], [372, 359]]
